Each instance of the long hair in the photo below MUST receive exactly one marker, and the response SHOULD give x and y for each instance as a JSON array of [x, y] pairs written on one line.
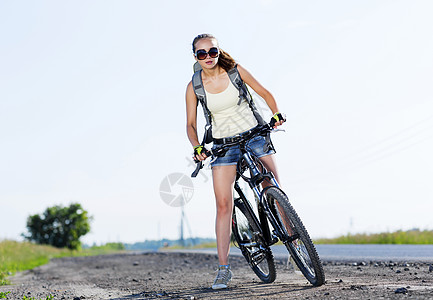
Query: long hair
[[225, 61]]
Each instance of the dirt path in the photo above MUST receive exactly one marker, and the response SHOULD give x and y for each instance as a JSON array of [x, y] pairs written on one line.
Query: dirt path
[[189, 276]]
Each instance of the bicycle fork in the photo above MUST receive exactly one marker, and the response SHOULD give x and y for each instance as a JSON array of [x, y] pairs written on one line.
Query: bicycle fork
[[257, 177], [279, 230]]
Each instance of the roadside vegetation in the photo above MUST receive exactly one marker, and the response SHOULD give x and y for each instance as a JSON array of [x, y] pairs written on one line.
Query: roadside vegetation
[[19, 256], [5, 296], [198, 246], [414, 236], [59, 226]]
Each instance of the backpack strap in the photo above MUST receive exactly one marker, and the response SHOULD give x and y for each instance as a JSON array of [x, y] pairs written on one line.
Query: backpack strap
[[235, 78], [200, 93], [196, 67], [237, 81]]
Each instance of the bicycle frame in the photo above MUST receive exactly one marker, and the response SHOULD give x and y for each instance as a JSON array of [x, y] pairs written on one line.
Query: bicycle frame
[[264, 211], [265, 231], [257, 177]]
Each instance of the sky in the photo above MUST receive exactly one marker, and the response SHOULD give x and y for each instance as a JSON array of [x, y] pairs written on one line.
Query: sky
[[92, 110]]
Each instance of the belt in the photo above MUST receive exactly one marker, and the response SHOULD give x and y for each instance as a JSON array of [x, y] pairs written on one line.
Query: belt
[[232, 139]]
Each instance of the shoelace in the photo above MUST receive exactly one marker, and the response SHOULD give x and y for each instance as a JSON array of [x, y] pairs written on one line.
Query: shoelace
[[222, 276]]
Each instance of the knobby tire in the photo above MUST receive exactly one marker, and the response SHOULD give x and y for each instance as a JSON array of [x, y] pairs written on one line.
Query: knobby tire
[[302, 248]]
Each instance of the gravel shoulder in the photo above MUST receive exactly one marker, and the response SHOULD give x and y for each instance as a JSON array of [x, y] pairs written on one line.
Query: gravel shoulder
[[175, 275]]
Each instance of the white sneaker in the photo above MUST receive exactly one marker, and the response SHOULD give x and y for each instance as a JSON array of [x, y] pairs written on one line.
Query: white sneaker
[[223, 277]]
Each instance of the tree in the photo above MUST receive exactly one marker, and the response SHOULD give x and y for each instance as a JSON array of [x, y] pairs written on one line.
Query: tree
[[59, 226]]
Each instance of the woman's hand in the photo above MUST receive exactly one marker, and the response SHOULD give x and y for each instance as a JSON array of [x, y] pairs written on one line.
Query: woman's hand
[[199, 153], [277, 119]]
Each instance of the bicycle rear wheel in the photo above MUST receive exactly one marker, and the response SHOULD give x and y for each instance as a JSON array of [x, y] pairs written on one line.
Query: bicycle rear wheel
[[295, 237], [247, 234]]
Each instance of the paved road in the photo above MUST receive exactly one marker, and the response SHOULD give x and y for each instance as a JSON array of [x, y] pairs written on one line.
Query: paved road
[[413, 253], [371, 252]]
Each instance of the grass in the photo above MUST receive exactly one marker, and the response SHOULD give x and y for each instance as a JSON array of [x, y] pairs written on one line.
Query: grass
[[5, 296], [207, 245], [49, 297], [414, 236], [20, 256], [198, 246]]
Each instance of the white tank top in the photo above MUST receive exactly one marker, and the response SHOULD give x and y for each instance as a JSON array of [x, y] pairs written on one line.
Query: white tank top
[[229, 118]]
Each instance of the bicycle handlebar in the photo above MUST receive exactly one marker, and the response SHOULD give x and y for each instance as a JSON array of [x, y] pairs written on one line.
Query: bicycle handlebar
[[268, 127]]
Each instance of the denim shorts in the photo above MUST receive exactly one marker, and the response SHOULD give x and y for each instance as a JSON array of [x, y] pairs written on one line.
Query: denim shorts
[[233, 155]]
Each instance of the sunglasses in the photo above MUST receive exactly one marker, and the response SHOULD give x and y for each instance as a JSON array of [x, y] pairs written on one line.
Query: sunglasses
[[202, 54]]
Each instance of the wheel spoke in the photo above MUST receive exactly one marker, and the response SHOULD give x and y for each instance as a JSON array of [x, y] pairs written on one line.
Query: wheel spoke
[[248, 236], [294, 235]]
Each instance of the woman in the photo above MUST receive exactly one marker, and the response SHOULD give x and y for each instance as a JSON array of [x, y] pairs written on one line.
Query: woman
[[228, 119]]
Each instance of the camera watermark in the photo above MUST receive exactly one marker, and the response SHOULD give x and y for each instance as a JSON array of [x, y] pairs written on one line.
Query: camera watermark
[[176, 189]]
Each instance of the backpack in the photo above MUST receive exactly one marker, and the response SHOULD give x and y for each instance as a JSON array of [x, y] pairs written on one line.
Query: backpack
[[244, 94]]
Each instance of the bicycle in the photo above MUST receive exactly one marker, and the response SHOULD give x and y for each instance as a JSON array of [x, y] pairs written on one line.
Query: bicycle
[[276, 219]]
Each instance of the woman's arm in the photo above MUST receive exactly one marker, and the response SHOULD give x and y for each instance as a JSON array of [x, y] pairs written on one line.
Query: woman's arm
[[191, 115], [191, 118], [258, 88]]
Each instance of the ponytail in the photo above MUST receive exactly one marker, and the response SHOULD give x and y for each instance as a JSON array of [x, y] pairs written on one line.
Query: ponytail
[[225, 61]]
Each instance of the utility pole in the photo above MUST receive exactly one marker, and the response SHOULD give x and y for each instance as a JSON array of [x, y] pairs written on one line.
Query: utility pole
[[181, 240]]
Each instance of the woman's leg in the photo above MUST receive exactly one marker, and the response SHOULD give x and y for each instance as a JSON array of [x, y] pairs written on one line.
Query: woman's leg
[[223, 179], [270, 164]]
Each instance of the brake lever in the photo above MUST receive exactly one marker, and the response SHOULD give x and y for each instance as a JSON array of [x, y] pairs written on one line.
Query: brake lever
[[197, 169], [200, 163]]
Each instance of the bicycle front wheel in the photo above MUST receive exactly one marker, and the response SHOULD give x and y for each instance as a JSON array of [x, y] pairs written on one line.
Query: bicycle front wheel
[[247, 234], [295, 237]]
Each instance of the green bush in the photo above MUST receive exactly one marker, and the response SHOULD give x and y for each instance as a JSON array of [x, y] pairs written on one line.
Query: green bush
[[59, 226]]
